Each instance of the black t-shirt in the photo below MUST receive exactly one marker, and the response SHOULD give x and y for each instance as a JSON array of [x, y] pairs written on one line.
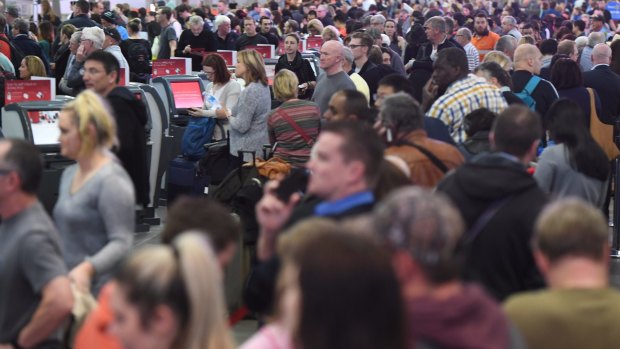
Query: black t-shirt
[[245, 41], [205, 40]]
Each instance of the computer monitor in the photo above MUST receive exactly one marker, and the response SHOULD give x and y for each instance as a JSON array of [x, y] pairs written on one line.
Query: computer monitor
[[44, 126], [186, 94]]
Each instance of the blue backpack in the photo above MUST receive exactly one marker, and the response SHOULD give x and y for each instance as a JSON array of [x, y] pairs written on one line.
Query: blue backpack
[[526, 93], [199, 132]]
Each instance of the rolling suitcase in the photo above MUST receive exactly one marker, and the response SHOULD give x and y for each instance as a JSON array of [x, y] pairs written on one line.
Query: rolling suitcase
[[183, 178]]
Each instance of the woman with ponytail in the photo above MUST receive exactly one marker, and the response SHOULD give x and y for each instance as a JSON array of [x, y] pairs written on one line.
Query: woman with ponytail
[[576, 165], [170, 297], [95, 209]]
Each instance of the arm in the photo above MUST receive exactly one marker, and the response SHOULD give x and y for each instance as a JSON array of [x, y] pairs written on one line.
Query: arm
[[173, 47], [74, 79], [272, 214], [242, 120], [546, 171]]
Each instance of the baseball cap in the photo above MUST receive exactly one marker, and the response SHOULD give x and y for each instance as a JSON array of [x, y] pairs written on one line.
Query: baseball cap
[[109, 16], [597, 18], [12, 11], [113, 33]]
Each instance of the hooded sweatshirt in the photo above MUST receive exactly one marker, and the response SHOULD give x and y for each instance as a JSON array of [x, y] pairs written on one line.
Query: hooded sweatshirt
[[500, 256]]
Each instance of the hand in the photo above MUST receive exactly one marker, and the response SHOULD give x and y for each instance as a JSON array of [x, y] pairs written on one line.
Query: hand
[[197, 112], [271, 212], [409, 64], [429, 92], [82, 275], [79, 54], [187, 49], [379, 128]]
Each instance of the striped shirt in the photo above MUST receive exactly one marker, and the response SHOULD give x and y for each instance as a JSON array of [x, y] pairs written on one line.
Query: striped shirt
[[461, 98], [473, 58], [292, 148]]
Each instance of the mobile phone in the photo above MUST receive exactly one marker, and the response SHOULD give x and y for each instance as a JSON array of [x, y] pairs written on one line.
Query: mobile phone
[[297, 181]]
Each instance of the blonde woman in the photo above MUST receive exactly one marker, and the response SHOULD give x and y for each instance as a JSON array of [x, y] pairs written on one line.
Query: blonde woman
[[499, 58], [248, 120], [315, 27], [171, 297], [31, 66], [330, 33], [95, 209], [294, 125]]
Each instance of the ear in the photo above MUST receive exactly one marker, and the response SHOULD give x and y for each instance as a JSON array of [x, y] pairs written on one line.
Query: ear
[[163, 323], [542, 262], [113, 76], [355, 170], [404, 266]]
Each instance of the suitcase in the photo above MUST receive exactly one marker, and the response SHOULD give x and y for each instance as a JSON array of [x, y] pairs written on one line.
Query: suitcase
[[183, 178]]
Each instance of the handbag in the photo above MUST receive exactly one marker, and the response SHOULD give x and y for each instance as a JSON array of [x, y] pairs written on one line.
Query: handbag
[[602, 133]]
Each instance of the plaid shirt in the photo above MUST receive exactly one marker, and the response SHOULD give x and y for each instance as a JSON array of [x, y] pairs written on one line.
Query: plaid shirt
[[461, 98]]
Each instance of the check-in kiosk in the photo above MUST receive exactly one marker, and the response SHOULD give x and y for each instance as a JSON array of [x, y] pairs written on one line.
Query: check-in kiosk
[[37, 122]]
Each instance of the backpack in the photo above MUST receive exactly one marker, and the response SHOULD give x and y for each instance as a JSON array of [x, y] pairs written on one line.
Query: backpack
[[199, 132], [16, 54], [138, 57], [526, 93]]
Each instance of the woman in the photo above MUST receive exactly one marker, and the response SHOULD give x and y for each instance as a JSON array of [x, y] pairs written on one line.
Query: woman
[[295, 124], [31, 66], [95, 209], [330, 33], [397, 42], [315, 27], [46, 37], [48, 14], [386, 56], [61, 58], [137, 52], [499, 58], [248, 118], [293, 61], [568, 81], [493, 73], [576, 165], [171, 297]]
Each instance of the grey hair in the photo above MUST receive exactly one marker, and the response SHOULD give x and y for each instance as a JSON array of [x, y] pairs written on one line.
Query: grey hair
[[437, 23], [402, 112], [76, 37], [196, 20], [506, 43], [465, 32], [511, 20], [347, 54], [219, 19], [21, 25], [596, 38], [378, 19]]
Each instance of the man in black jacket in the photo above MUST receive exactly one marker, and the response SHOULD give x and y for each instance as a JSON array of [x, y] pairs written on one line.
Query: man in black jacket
[[195, 41], [101, 74], [500, 201], [605, 82], [360, 45], [25, 44], [80, 20]]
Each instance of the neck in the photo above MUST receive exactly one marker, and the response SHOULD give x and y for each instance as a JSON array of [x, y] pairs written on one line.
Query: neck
[[16, 204], [337, 68], [359, 63], [440, 40], [90, 162], [108, 90], [135, 36], [577, 272], [348, 191], [291, 56]]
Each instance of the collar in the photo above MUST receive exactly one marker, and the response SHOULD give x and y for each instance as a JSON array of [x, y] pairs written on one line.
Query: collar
[[337, 207], [600, 65], [505, 89], [508, 156]]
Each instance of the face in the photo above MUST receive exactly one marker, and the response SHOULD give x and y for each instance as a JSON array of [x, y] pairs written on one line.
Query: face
[[376, 25], [249, 27], [382, 92], [24, 74], [527, 31], [221, 8], [328, 168], [265, 25], [224, 28], [330, 56], [480, 24], [431, 34], [95, 77], [73, 46], [596, 25], [126, 324], [209, 71], [386, 58], [99, 8], [106, 24], [335, 108], [357, 48], [460, 38], [196, 29], [321, 12], [161, 18], [506, 26], [389, 28], [88, 46], [240, 68], [70, 140], [443, 74], [290, 45]]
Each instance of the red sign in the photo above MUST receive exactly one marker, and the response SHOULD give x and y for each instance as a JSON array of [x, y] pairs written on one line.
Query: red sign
[[122, 81], [230, 57], [314, 42], [264, 50], [16, 91], [164, 67]]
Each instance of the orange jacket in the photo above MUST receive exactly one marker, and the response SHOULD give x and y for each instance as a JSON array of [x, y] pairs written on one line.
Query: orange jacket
[[484, 44]]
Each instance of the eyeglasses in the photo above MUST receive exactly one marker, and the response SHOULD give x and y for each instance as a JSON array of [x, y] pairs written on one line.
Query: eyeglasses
[[355, 46], [209, 72]]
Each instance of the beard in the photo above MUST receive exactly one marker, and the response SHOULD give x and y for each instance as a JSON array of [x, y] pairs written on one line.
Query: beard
[[485, 32]]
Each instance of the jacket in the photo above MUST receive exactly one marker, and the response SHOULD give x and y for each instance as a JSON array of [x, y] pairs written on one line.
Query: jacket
[[606, 83]]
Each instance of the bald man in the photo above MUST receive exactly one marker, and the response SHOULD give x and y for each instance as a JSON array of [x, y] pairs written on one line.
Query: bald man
[[527, 63], [333, 78], [605, 82]]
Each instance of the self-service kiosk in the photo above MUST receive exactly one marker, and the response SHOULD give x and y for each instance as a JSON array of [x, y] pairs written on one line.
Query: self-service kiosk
[[37, 122]]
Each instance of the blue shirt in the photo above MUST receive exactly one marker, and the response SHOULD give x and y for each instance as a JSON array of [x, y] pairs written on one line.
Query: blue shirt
[[123, 32], [337, 207]]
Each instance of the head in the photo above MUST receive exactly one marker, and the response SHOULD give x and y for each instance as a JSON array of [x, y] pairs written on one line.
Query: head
[[481, 24], [601, 54], [331, 57], [164, 14], [435, 29], [21, 26], [196, 25], [479, 120], [21, 169], [315, 27], [508, 23], [570, 229], [596, 38], [222, 24], [360, 45], [347, 105], [222, 6], [81, 7], [421, 230], [74, 42], [344, 160], [579, 26], [565, 74], [86, 126], [450, 65], [97, 8], [568, 48], [528, 57], [463, 36], [517, 131], [134, 26], [101, 72], [92, 39], [291, 43], [390, 85], [251, 67], [330, 33], [31, 66], [285, 85], [389, 28], [249, 26], [112, 37], [596, 23], [322, 11], [265, 24], [507, 44], [208, 217], [108, 19], [401, 114], [66, 32], [494, 74], [377, 22], [215, 67], [171, 296], [291, 26], [330, 281]]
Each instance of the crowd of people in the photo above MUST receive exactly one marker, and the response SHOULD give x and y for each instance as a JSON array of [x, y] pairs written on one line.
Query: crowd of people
[[458, 164]]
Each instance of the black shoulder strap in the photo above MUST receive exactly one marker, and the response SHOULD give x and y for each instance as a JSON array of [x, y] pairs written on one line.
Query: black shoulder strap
[[435, 160], [485, 218]]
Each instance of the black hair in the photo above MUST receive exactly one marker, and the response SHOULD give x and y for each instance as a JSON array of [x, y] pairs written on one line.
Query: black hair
[[26, 160], [83, 5], [478, 120], [548, 47], [109, 62], [516, 129], [495, 70], [580, 24], [454, 57], [398, 83], [565, 73], [356, 104]]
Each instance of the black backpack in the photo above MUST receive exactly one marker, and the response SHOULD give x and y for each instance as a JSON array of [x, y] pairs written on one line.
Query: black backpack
[[16, 54], [138, 57]]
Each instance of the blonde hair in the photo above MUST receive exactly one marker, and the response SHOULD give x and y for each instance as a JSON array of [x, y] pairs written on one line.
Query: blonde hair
[[90, 109], [330, 33], [255, 66], [527, 39], [35, 66], [499, 58], [186, 277], [285, 85], [316, 24]]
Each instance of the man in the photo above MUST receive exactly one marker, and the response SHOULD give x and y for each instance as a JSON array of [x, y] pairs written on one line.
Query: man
[[195, 41], [222, 8], [527, 63], [90, 41], [360, 45], [101, 75], [463, 92], [255, 11], [36, 298], [324, 16], [450, 30], [548, 49], [225, 38], [572, 252], [108, 21], [80, 17], [497, 187], [597, 25], [463, 37], [333, 77], [168, 35], [422, 66], [110, 44], [25, 44], [579, 28], [97, 8], [265, 30], [249, 37], [377, 22], [348, 105], [507, 44], [347, 66], [605, 82], [509, 27], [568, 48], [484, 39], [395, 83], [12, 13], [183, 12], [421, 230], [586, 54], [428, 159]]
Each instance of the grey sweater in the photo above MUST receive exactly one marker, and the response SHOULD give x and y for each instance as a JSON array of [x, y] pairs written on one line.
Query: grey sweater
[[97, 222], [248, 123]]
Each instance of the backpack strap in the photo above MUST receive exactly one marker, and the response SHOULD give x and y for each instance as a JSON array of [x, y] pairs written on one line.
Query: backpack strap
[[485, 218], [294, 125], [531, 84], [434, 159]]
